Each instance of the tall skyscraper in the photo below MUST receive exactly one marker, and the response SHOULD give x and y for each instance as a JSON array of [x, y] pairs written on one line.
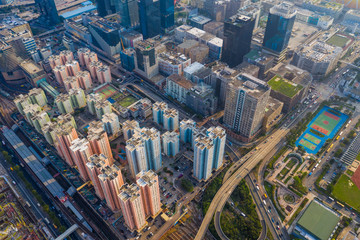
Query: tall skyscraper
[[203, 158], [186, 130], [99, 140], [48, 9], [132, 207], [237, 39], [245, 104], [111, 181], [149, 16], [148, 181], [171, 143], [65, 134], [127, 10], [158, 112], [80, 150], [166, 14], [218, 135], [94, 165], [279, 27]]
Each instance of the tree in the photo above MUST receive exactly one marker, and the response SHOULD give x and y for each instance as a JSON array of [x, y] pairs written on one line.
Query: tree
[[187, 185]]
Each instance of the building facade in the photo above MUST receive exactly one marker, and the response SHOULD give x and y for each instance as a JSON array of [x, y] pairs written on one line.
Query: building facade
[[245, 105], [237, 39]]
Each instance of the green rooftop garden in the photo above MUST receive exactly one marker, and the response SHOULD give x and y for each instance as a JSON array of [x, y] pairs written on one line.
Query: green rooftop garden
[[284, 86]]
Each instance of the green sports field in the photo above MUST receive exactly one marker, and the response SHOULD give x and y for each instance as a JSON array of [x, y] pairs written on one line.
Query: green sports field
[[307, 144], [346, 191], [127, 101], [338, 40], [107, 91], [312, 138], [325, 123]]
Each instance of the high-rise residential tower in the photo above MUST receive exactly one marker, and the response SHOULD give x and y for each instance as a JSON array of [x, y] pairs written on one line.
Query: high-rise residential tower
[[94, 165], [148, 181], [132, 206], [171, 119], [171, 143], [237, 39], [111, 123], [186, 130], [136, 155], [203, 158], [245, 105], [80, 150], [111, 181], [65, 134], [218, 135], [99, 140], [129, 127], [158, 112]]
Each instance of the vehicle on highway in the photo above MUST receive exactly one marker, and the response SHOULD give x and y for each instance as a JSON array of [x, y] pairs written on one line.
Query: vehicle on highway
[[264, 202]]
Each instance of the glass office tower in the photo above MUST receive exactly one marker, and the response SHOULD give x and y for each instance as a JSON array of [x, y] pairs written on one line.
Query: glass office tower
[[167, 14], [149, 15], [127, 10], [237, 39], [48, 9], [279, 26]]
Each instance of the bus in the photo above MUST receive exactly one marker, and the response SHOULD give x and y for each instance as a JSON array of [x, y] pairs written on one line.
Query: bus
[[330, 198], [340, 204]]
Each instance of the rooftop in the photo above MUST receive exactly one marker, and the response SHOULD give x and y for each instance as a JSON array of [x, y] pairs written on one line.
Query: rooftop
[[146, 178], [327, 4], [291, 73], [319, 220], [173, 57], [78, 11], [258, 57], [171, 113], [284, 9], [160, 105], [31, 67], [188, 44], [285, 87], [129, 192], [181, 80], [200, 19], [252, 85], [170, 136], [194, 67]]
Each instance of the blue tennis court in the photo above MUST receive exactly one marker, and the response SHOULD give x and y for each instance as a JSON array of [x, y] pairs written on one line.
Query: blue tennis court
[[112, 101], [310, 140]]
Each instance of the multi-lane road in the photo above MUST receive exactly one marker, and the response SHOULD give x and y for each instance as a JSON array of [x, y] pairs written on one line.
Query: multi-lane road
[[241, 168], [244, 165]]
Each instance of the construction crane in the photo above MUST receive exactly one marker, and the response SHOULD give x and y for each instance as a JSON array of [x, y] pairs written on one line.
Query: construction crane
[[122, 44]]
